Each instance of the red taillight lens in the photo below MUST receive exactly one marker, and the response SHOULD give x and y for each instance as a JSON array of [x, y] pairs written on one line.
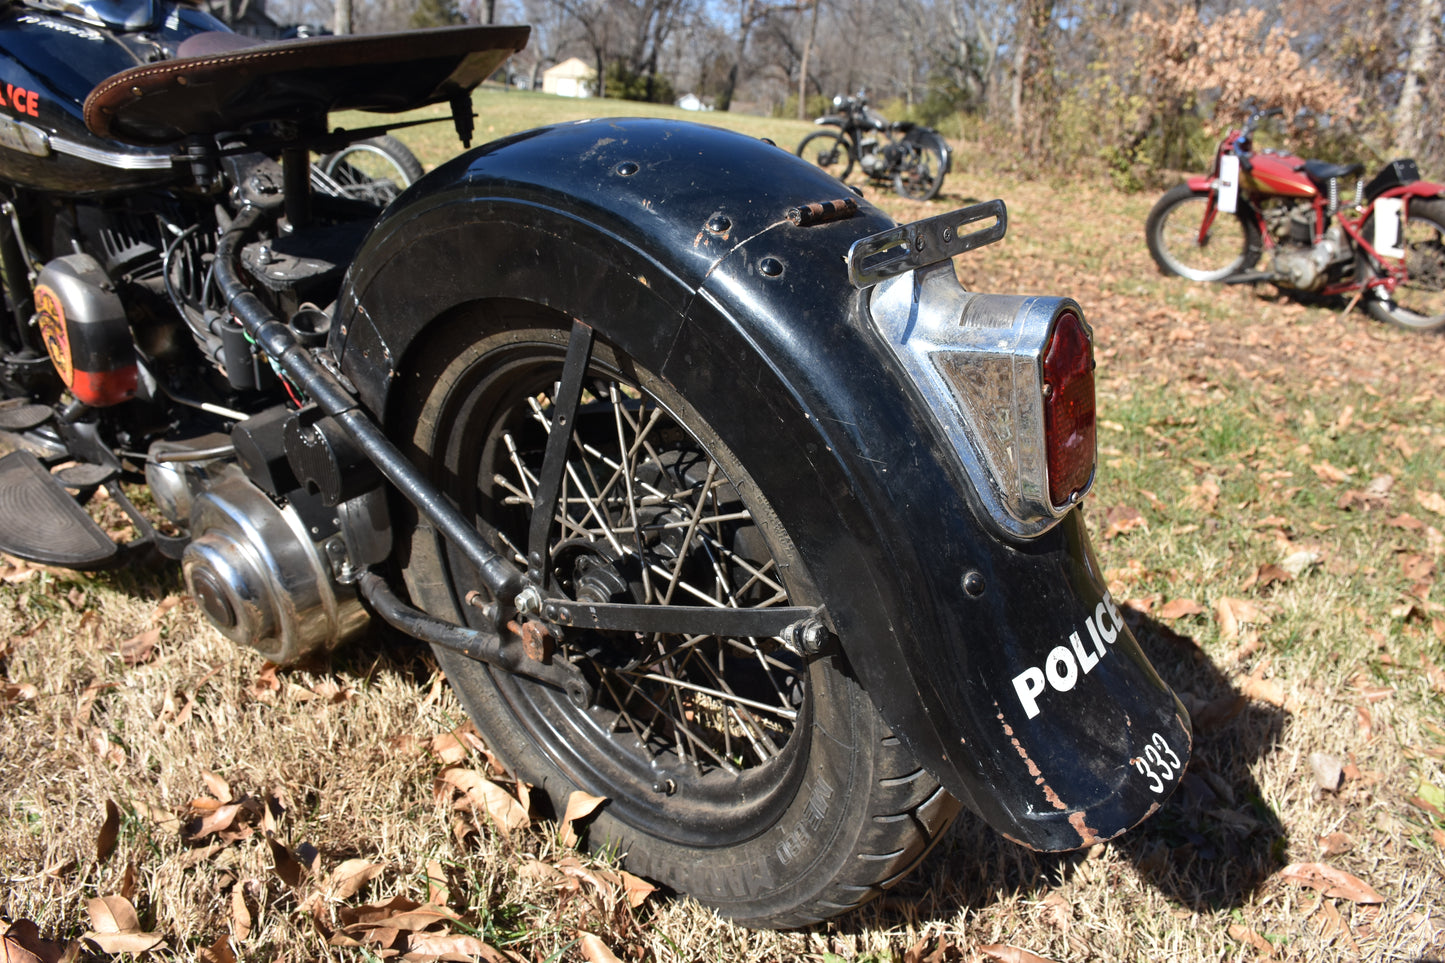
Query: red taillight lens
[[1069, 408]]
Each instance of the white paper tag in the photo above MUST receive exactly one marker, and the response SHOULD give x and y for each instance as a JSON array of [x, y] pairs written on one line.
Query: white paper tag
[[1389, 226], [1228, 184]]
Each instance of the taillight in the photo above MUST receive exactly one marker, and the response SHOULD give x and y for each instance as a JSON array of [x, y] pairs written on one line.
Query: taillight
[[1068, 370]]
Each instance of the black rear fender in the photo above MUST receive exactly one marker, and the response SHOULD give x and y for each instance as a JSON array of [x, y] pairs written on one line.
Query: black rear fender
[[673, 240]]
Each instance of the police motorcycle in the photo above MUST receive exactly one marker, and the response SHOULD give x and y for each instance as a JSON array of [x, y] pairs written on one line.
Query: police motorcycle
[[714, 491]]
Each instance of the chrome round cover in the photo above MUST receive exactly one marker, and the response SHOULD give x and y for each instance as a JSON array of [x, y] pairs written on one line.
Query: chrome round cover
[[260, 579]]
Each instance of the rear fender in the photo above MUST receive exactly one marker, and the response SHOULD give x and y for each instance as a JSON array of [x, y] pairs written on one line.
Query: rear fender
[[1003, 664], [1416, 189], [927, 137]]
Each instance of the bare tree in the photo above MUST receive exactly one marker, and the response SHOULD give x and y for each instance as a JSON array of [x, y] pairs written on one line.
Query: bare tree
[[1410, 118]]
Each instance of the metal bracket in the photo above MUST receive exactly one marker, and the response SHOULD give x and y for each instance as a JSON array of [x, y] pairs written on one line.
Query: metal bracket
[[907, 247]]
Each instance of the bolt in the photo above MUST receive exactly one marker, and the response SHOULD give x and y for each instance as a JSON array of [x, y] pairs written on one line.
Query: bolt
[[719, 224], [771, 267], [537, 640], [528, 601], [947, 234], [973, 584], [627, 168], [806, 637], [664, 787]]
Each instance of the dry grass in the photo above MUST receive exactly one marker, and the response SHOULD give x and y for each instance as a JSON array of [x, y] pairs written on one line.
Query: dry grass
[[1227, 448]]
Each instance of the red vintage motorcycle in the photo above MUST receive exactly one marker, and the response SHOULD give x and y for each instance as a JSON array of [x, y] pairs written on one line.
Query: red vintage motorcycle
[[1384, 246]]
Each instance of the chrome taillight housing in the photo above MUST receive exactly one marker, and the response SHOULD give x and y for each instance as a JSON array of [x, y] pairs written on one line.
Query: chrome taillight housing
[[1010, 380]]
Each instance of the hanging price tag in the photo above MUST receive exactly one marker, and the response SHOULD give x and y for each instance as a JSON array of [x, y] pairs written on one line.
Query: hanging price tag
[[1389, 227], [1228, 184]]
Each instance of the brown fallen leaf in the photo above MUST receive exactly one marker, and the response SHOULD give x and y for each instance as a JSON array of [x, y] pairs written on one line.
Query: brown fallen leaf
[[218, 820], [266, 680], [293, 871], [1333, 924], [21, 943], [636, 888], [1336, 844], [347, 879], [217, 786], [218, 952], [436, 884], [1120, 519], [478, 792], [17, 692], [139, 649], [448, 748], [580, 805], [1243, 934], [373, 913], [1011, 954], [596, 951], [1264, 690], [1330, 473], [109, 833], [451, 946], [115, 927], [241, 918], [1431, 501], [1179, 608], [1330, 881]]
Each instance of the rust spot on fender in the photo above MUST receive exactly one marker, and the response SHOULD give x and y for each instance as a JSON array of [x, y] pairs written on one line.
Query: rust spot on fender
[[1087, 835]]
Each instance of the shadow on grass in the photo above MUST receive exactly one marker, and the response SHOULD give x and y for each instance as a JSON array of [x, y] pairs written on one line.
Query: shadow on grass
[[1210, 847]]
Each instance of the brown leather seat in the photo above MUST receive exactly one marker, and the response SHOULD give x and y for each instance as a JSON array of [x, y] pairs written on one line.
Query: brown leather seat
[[238, 84]]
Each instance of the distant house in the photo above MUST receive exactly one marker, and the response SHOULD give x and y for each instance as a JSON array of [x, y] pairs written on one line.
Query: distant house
[[571, 78]]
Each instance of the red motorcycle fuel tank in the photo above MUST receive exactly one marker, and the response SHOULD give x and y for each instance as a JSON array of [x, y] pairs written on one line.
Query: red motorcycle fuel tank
[[1281, 175], [48, 64]]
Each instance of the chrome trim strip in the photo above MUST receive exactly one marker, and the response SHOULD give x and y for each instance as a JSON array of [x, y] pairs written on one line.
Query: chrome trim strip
[[26, 138], [118, 159]]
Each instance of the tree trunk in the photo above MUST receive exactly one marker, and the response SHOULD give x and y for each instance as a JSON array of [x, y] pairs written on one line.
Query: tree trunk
[[803, 66], [1409, 120], [341, 23]]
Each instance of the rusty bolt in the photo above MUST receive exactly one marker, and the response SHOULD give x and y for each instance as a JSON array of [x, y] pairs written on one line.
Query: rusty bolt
[[538, 642]]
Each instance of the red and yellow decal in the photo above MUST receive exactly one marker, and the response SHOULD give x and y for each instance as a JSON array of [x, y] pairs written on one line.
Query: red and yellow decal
[[50, 318], [20, 100]]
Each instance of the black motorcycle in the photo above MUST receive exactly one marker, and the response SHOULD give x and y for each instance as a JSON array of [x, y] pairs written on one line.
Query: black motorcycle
[[915, 158], [683, 464]]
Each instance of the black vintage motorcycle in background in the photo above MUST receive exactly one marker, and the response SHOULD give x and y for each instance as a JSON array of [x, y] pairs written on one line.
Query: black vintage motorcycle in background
[[915, 158], [729, 505]]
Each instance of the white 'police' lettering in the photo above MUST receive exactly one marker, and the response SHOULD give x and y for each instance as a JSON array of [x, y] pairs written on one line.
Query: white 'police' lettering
[[1065, 663]]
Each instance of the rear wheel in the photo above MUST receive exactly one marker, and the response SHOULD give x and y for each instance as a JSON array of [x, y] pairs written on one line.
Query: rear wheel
[[829, 150], [1230, 246], [376, 170], [736, 770], [921, 174], [1419, 301]]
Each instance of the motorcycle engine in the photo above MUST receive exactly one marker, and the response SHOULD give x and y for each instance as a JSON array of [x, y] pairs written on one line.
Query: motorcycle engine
[[1306, 268], [266, 572], [872, 162]]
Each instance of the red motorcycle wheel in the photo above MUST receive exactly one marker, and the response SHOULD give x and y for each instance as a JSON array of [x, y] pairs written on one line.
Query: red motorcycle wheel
[[1231, 246], [1419, 302]]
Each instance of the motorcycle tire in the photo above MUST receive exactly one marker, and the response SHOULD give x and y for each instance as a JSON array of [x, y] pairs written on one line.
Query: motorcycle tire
[[830, 151], [761, 782], [1419, 303], [376, 169], [920, 175], [1232, 246]]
